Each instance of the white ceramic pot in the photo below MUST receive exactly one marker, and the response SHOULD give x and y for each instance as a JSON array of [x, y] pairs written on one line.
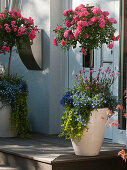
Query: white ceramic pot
[[90, 144], [5, 123]]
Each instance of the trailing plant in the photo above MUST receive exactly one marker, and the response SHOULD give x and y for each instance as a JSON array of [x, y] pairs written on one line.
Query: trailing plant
[[85, 96], [15, 93], [87, 26]]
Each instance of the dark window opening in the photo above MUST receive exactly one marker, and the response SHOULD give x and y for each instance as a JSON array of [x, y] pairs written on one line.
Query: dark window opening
[[86, 60]]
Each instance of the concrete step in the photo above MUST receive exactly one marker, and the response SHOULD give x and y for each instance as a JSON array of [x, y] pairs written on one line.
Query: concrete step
[[104, 161], [53, 153]]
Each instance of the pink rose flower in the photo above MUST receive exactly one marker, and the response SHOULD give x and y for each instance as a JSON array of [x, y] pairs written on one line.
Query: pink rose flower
[[83, 51], [13, 22], [69, 31], [79, 28], [59, 28], [102, 16], [83, 14], [23, 29], [0, 26], [7, 29], [82, 23], [102, 25], [15, 29], [32, 35], [112, 20], [94, 19], [66, 34], [13, 26], [76, 18], [68, 23], [76, 34], [73, 22], [96, 11], [71, 37], [85, 24], [78, 8], [90, 23], [66, 12], [110, 46], [84, 9], [30, 20], [4, 48], [63, 43], [6, 25], [116, 38], [55, 41], [105, 13]]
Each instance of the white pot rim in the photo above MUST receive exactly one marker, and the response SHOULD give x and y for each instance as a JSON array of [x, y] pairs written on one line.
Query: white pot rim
[[101, 108]]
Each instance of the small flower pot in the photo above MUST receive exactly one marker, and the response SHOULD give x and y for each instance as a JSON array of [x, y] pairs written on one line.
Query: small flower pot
[[90, 144], [5, 122]]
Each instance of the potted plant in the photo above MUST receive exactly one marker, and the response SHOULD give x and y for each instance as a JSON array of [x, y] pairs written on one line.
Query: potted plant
[[87, 106], [14, 30], [89, 27]]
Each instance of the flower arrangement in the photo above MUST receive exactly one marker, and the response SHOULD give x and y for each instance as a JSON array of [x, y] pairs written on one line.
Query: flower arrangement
[[86, 95], [88, 26], [14, 30]]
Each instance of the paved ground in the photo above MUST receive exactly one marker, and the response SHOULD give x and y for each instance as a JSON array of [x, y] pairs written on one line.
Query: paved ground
[[46, 148]]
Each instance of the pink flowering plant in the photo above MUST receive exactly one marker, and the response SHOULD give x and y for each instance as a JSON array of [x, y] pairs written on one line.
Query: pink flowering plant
[[14, 29], [86, 95], [90, 27]]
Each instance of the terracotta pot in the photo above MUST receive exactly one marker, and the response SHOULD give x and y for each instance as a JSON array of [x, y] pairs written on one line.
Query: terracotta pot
[[90, 144], [5, 123]]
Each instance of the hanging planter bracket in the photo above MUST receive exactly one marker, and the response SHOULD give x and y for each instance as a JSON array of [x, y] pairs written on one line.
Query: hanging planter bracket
[[31, 56]]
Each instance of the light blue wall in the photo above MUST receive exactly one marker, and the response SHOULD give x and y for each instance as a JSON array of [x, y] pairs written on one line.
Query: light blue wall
[[38, 81]]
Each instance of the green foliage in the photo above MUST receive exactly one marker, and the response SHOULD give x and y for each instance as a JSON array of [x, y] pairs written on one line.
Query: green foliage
[[71, 126], [19, 115]]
